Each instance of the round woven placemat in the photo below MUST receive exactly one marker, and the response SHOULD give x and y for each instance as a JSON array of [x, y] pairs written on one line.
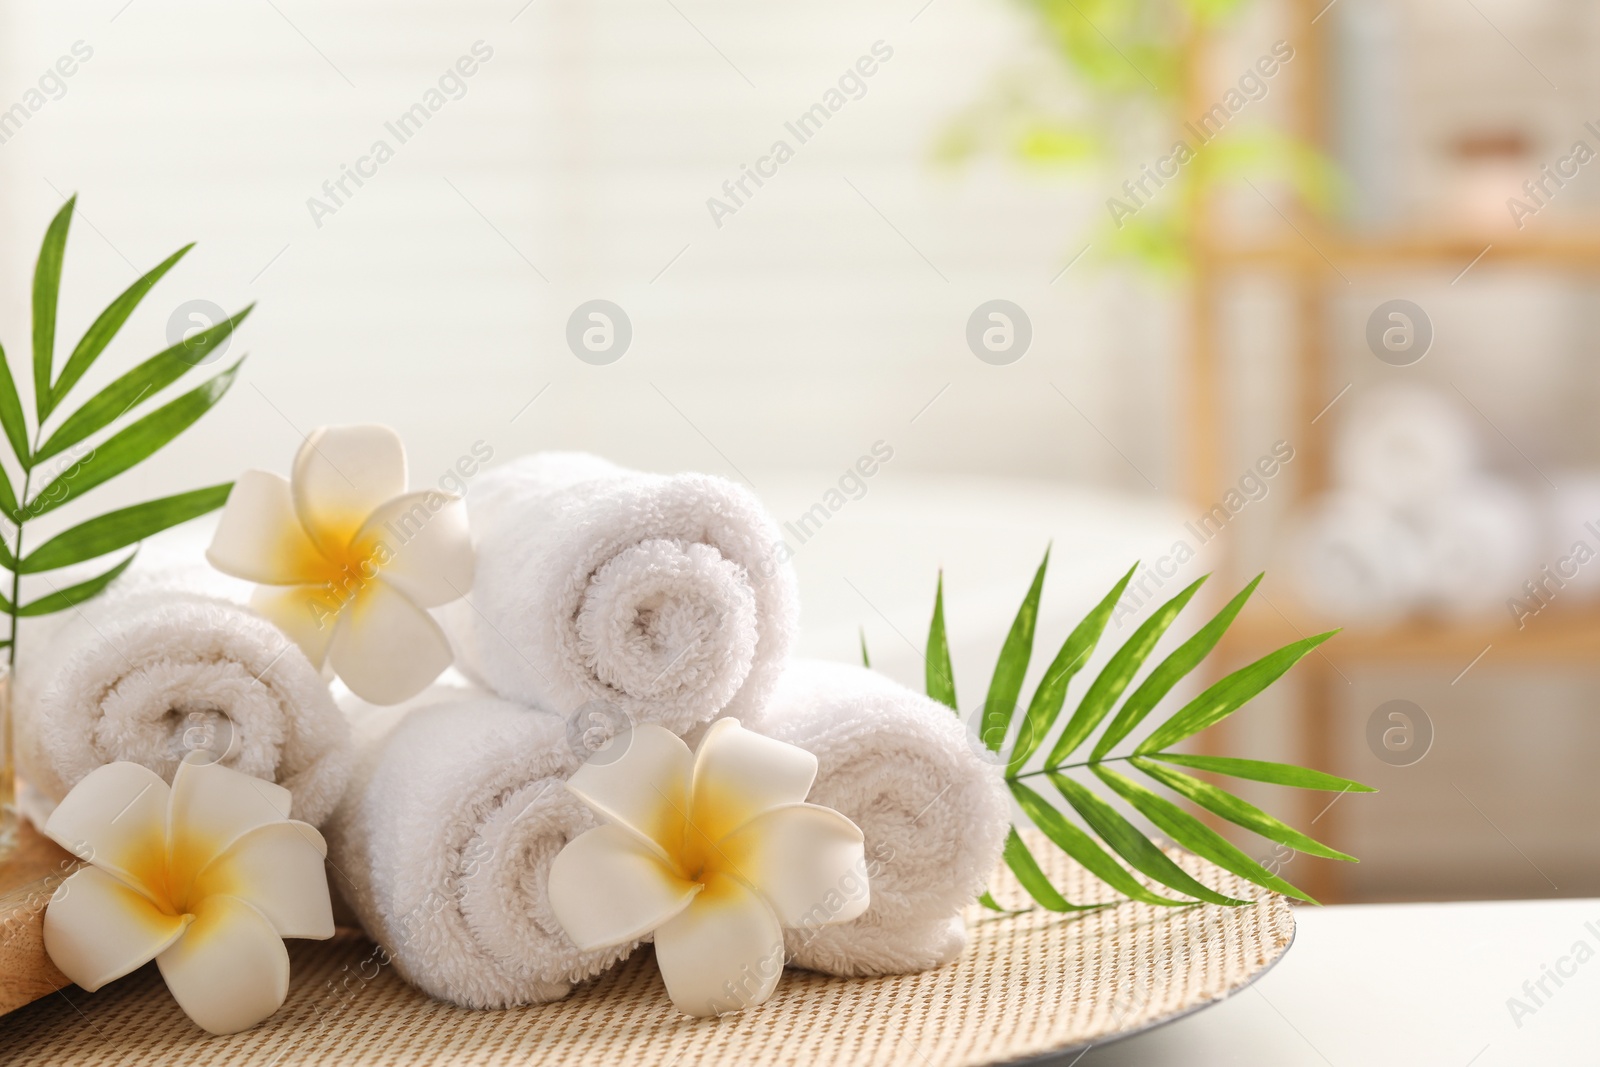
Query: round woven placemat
[[1028, 985]]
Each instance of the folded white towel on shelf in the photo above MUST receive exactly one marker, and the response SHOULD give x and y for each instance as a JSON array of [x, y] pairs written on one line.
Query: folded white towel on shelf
[[1481, 542], [443, 844], [1571, 542], [667, 597], [1405, 445], [932, 806], [162, 664], [1352, 557]]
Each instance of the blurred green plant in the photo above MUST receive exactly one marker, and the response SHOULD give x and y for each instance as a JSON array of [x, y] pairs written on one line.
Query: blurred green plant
[[66, 465], [1104, 827], [1130, 62]]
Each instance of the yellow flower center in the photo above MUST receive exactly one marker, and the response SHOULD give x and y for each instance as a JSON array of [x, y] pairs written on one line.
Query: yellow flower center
[[173, 882], [705, 851], [348, 570]]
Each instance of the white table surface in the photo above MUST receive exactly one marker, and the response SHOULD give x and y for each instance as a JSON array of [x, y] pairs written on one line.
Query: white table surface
[[1414, 984]]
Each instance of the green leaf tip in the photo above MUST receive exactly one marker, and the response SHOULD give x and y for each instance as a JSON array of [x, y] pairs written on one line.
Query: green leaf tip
[[1006, 684], [939, 680]]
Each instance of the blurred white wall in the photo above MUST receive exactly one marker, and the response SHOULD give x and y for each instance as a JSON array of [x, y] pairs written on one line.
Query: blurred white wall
[[826, 314]]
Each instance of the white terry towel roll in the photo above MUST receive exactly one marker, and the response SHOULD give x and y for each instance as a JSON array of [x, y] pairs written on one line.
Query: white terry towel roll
[[1571, 540], [1404, 444], [161, 665], [443, 844], [1481, 543], [664, 596], [933, 809], [1352, 557]]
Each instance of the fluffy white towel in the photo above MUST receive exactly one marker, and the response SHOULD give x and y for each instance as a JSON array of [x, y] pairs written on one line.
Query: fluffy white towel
[[932, 805], [443, 843], [1571, 518], [155, 668], [667, 597], [1404, 444], [1481, 542], [1352, 557]]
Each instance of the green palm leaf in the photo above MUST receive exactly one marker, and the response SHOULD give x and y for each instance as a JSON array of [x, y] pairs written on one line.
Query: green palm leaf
[[1081, 847], [1228, 695], [1260, 771], [1185, 658], [73, 595], [11, 417], [939, 678], [1033, 879], [1195, 835], [1237, 811], [1006, 685], [133, 445], [1116, 675], [1107, 836], [8, 499], [106, 326], [46, 291], [137, 385], [124, 449], [1142, 853], [1051, 696], [120, 528]]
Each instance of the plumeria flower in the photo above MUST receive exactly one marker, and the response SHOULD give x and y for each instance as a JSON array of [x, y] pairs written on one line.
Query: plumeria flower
[[348, 561], [714, 852], [206, 877]]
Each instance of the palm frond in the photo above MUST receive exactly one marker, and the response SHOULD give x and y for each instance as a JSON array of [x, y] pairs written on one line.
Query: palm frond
[[1103, 839]]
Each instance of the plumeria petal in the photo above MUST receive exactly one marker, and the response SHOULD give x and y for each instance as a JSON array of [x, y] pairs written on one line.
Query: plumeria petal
[[422, 544], [230, 970], [385, 648], [97, 929], [808, 861], [307, 614], [341, 475], [738, 774], [723, 952], [116, 817], [260, 538], [641, 781], [609, 888], [278, 869], [211, 807]]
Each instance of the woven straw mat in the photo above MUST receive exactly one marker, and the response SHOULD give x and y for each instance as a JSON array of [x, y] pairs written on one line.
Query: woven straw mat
[[1028, 985]]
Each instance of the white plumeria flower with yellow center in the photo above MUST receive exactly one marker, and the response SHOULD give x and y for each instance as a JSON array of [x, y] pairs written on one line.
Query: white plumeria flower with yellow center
[[349, 561], [714, 852], [206, 877]]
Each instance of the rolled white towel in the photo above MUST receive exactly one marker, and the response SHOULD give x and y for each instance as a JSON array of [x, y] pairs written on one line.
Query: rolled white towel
[[1571, 516], [1352, 557], [932, 806], [159, 666], [1481, 542], [1403, 444], [665, 596], [443, 844]]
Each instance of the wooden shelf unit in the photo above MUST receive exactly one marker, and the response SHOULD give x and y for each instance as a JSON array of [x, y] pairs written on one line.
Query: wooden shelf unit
[[1318, 248], [1313, 258]]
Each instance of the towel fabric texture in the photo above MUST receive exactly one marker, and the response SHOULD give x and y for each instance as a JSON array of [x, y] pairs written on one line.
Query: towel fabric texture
[[932, 805], [667, 597], [443, 844], [161, 665]]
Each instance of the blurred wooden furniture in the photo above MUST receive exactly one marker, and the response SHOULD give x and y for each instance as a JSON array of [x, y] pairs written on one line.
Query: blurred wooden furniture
[[1310, 255]]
